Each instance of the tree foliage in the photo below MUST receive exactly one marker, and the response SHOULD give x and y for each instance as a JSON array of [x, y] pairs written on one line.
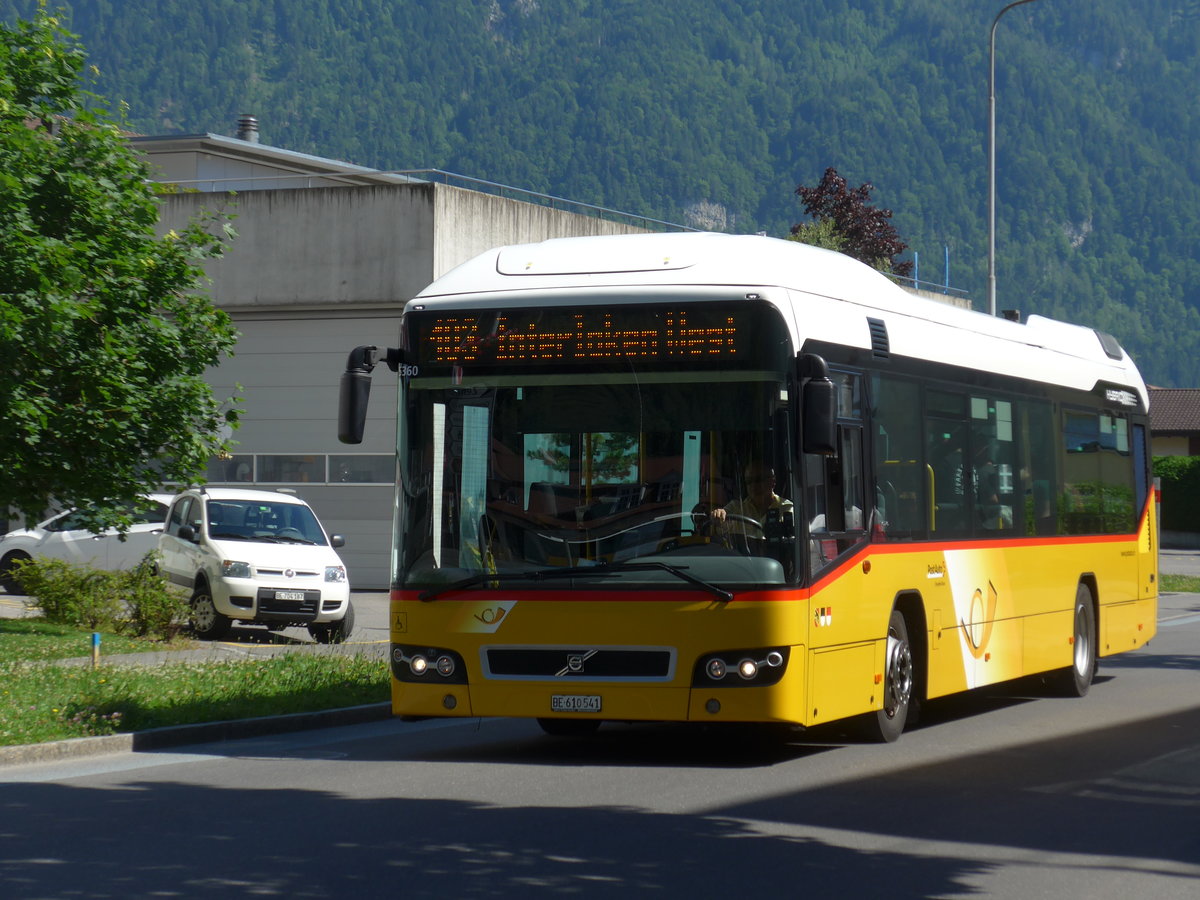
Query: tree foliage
[[103, 338], [862, 231]]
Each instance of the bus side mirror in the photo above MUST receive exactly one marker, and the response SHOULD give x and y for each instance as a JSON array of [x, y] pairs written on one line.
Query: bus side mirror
[[818, 407], [355, 393]]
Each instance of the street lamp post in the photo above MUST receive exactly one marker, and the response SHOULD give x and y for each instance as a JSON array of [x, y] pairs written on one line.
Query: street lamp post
[[992, 159]]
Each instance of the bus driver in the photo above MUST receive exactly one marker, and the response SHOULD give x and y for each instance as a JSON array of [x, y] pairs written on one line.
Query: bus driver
[[759, 500]]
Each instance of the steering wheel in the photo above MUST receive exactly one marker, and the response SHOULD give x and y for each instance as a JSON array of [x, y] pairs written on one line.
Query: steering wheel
[[289, 533], [738, 539]]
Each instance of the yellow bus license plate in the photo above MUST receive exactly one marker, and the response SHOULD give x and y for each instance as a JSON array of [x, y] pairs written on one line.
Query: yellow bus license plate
[[575, 703]]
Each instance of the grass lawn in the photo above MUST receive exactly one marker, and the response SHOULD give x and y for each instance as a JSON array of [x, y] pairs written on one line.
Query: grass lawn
[[44, 701], [1184, 584]]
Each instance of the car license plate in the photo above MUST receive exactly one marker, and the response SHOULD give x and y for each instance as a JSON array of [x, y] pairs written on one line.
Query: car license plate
[[289, 595], [575, 703]]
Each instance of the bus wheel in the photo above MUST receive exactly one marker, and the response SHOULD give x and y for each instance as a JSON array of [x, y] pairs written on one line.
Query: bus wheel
[[1075, 680], [887, 724], [569, 727]]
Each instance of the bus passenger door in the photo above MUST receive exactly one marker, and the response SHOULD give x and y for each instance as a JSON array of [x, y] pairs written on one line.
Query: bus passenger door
[[836, 496], [950, 476]]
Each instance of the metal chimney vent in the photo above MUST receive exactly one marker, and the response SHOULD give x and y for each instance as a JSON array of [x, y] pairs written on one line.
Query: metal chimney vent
[[248, 129]]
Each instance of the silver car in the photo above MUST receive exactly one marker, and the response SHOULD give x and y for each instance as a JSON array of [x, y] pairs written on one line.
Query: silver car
[[62, 537]]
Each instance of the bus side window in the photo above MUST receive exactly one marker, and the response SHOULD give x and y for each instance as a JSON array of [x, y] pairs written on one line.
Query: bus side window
[[901, 476]]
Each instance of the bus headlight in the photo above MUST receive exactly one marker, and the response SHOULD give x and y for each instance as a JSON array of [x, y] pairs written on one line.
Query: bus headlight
[[427, 665], [757, 667]]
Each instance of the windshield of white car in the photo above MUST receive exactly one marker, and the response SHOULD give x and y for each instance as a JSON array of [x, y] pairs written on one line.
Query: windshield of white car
[[265, 521]]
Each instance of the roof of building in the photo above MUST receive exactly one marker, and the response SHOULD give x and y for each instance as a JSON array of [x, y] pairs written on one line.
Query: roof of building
[[299, 164], [1175, 410]]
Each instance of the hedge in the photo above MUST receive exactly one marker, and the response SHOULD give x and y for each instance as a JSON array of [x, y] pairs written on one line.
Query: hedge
[[1179, 479]]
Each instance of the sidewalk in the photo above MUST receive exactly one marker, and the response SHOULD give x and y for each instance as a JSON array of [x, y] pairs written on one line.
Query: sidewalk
[[1179, 562]]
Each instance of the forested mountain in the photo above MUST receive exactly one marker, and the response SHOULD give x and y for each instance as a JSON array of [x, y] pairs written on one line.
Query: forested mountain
[[710, 112]]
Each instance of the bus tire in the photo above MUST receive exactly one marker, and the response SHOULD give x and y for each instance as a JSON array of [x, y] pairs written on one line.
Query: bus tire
[[887, 724], [569, 727], [1076, 679]]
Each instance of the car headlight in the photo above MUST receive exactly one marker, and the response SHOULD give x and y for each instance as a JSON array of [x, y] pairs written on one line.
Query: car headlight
[[233, 569], [335, 573]]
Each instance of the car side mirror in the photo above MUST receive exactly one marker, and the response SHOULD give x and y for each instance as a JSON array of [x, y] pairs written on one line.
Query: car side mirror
[[187, 533], [336, 540]]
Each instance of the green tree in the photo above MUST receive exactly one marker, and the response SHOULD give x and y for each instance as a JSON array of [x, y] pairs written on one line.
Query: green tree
[[819, 233], [103, 337], [842, 215]]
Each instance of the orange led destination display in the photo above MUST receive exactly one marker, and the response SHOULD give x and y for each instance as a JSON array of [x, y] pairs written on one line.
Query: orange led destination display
[[549, 336]]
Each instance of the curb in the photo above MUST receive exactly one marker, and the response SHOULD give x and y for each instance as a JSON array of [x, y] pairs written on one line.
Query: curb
[[202, 732]]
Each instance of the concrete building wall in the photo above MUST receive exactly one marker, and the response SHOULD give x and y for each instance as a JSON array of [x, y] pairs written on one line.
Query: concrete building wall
[[318, 248], [467, 223], [1177, 445]]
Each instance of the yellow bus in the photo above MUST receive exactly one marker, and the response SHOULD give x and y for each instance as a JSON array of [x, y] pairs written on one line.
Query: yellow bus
[[715, 478]]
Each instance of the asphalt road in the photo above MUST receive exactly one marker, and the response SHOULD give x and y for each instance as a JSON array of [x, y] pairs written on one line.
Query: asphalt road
[[997, 793]]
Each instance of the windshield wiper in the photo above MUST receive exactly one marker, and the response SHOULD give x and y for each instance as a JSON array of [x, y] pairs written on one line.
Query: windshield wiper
[[678, 571], [604, 569]]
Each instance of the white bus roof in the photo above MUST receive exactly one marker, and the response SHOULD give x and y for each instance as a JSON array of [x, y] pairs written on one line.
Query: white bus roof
[[824, 296]]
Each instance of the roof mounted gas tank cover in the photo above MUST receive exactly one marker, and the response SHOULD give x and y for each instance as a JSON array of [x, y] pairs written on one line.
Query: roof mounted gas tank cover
[[1112, 349], [602, 254]]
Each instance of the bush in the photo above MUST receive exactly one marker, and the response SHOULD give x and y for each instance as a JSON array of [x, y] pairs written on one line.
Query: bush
[[1179, 478], [153, 610], [133, 601], [69, 594]]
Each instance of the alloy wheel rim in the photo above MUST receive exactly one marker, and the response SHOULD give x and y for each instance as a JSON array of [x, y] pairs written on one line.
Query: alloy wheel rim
[[899, 676]]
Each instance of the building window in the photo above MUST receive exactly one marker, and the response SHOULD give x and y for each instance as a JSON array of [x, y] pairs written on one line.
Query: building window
[[309, 468], [231, 469], [291, 469], [362, 469]]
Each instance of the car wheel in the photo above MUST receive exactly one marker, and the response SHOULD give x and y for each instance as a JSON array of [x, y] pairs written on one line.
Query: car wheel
[[334, 632], [8, 578], [207, 622]]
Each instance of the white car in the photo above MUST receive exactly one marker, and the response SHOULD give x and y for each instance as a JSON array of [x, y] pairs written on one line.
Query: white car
[[255, 556], [62, 537]]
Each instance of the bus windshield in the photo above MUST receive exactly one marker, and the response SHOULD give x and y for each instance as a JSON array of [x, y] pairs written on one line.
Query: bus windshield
[[602, 475]]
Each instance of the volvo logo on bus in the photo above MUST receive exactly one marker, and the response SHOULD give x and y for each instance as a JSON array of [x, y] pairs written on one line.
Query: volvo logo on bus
[[575, 661]]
